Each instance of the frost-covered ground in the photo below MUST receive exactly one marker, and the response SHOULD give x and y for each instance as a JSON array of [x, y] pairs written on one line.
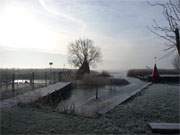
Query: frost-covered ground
[[158, 103], [20, 88]]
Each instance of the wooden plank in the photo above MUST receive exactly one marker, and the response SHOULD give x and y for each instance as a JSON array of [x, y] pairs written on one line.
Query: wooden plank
[[113, 101], [33, 95], [165, 127], [93, 107]]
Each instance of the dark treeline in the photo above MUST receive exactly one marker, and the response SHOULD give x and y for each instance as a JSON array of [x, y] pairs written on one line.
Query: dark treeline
[[145, 72]]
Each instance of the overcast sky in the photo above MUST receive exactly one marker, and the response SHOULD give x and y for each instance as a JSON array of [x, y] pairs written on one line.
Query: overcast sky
[[34, 32]]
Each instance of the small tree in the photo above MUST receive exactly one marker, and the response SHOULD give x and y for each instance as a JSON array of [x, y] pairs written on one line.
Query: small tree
[[83, 54]]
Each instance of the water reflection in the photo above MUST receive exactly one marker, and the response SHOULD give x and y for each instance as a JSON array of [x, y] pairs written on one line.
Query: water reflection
[[66, 93], [79, 96], [37, 81]]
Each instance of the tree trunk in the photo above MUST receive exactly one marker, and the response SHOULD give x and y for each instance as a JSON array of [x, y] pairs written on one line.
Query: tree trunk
[[96, 92], [177, 40], [84, 69]]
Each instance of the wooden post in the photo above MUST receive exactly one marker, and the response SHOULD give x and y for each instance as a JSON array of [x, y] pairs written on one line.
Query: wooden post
[[45, 76], [13, 79], [59, 76], [96, 92], [50, 77], [32, 80], [54, 79], [111, 84], [6, 81]]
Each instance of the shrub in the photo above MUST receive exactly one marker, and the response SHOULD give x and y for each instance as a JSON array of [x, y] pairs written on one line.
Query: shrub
[[119, 81], [68, 75], [93, 80], [105, 74]]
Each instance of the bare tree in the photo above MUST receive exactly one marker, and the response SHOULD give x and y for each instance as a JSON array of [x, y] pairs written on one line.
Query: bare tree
[[176, 62], [170, 32], [83, 54]]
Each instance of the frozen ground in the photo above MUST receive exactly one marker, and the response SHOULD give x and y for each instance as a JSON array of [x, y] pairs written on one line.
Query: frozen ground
[[158, 103], [20, 88]]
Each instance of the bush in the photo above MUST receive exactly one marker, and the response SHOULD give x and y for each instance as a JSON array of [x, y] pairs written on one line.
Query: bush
[[93, 80], [119, 81], [68, 75], [105, 74]]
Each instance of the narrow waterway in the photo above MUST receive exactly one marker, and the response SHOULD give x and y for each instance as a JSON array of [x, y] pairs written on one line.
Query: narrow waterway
[[80, 96]]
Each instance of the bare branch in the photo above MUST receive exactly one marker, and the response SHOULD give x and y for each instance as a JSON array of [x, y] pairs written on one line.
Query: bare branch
[[171, 12], [169, 48], [162, 36]]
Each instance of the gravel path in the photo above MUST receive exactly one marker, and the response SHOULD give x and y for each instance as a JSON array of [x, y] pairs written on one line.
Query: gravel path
[[158, 103]]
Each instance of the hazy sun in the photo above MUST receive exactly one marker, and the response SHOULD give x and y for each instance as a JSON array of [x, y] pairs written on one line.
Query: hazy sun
[[20, 29]]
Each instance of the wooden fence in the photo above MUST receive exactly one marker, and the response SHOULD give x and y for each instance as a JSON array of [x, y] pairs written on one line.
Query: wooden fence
[[13, 80]]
